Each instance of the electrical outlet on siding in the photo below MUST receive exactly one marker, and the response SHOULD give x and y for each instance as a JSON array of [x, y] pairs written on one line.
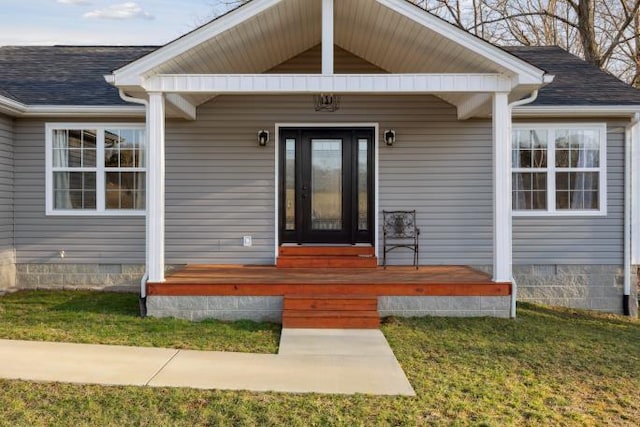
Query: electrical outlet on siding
[[247, 241]]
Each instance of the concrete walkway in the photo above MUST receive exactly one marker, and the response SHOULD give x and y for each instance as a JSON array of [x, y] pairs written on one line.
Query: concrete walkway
[[309, 360]]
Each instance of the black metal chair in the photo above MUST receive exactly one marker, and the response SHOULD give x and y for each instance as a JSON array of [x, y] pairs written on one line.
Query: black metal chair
[[399, 230]]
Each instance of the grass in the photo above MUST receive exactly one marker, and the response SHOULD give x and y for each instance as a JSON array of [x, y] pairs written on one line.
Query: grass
[[112, 318], [548, 367]]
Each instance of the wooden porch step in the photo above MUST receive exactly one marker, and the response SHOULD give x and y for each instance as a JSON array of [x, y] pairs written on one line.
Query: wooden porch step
[[330, 302], [327, 261], [327, 311]]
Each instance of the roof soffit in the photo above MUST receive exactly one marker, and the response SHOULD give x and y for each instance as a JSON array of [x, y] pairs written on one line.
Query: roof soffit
[[395, 35]]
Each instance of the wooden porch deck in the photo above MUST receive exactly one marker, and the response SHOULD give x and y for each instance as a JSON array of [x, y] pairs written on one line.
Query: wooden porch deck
[[251, 280]]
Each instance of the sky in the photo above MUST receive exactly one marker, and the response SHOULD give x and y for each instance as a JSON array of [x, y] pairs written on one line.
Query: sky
[[101, 22]]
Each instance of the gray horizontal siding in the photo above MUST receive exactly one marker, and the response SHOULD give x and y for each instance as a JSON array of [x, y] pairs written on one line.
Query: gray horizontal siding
[[220, 187], [39, 238], [579, 240], [220, 184], [6, 184]]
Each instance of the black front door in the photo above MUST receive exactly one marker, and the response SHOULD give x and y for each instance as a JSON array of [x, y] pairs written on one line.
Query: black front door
[[326, 185]]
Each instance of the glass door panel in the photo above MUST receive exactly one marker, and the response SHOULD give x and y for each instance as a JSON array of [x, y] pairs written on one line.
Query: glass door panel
[[290, 184], [326, 184], [363, 184]]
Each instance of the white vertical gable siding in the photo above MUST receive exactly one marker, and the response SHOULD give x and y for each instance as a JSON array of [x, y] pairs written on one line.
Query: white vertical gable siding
[[39, 238], [579, 240], [6, 184]]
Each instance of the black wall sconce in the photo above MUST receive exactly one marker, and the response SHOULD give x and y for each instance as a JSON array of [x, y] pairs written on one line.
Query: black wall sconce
[[263, 137], [389, 137]]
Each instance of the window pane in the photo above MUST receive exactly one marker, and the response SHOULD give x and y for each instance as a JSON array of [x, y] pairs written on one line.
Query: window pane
[[74, 148], [529, 191], [529, 148], [125, 190], [577, 148], [577, 190], [124, 148], [74, 190]]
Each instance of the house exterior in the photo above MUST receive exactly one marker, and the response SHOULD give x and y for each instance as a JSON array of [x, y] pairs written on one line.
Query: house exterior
[[268, 127]]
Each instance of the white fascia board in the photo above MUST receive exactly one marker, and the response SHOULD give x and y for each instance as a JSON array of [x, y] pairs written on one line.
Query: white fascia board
[[10, 107], [18, 109], [526, 72], [316, 83], [576, 111], [131, 73]]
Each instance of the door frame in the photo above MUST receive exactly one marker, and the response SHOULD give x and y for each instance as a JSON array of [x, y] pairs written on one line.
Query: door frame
[[376, 163]]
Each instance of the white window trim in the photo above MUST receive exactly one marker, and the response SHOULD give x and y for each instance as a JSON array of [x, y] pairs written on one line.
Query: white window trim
[[551, 170], [99, 169]]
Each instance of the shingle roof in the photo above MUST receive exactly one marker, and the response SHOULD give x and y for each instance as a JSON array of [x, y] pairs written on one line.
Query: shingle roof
[[576, 82], [73, 75], [64, 75]]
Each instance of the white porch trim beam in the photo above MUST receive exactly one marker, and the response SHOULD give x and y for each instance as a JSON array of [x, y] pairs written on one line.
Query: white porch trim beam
[[185, 108], [316, 83], [502, 237], [155, 188], [327, 37], [474, 103]]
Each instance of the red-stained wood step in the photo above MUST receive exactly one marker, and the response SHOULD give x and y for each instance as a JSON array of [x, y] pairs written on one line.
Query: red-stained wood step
[[327, 262], [285, 251], [330, 311], [324, 302]]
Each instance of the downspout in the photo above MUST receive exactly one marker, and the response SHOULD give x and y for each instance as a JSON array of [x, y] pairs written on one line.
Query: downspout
[[145, 276], [630, 135], [514, 284]]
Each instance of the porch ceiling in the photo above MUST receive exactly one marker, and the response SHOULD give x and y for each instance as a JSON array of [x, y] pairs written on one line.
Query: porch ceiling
[[394, 35]]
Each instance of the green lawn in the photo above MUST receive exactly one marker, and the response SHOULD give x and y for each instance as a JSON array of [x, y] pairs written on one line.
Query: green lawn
[[548, 367], [112, 318]]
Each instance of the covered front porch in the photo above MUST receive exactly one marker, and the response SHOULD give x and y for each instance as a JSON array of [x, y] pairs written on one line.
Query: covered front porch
[[329, 297], [232, 80]]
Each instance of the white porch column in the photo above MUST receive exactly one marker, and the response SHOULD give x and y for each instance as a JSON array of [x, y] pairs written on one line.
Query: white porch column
[[327, 37], [155, 188], [502, 245]]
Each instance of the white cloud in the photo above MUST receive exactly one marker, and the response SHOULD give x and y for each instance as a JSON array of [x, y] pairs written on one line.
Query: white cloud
[[128, 10], [74, 1]]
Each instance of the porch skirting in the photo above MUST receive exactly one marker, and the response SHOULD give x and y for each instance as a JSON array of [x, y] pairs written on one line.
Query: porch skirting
[[593, 287], [269, 308]]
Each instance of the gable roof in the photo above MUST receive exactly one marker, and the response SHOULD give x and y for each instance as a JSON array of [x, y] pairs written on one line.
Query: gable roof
[[576, 82], [63, 75]]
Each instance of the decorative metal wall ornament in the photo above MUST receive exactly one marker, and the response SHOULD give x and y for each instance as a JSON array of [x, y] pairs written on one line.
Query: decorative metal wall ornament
[[328, 103]]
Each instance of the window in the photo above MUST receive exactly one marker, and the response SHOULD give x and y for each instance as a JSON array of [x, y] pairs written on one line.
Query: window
[[559, 169], [95, 169]]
